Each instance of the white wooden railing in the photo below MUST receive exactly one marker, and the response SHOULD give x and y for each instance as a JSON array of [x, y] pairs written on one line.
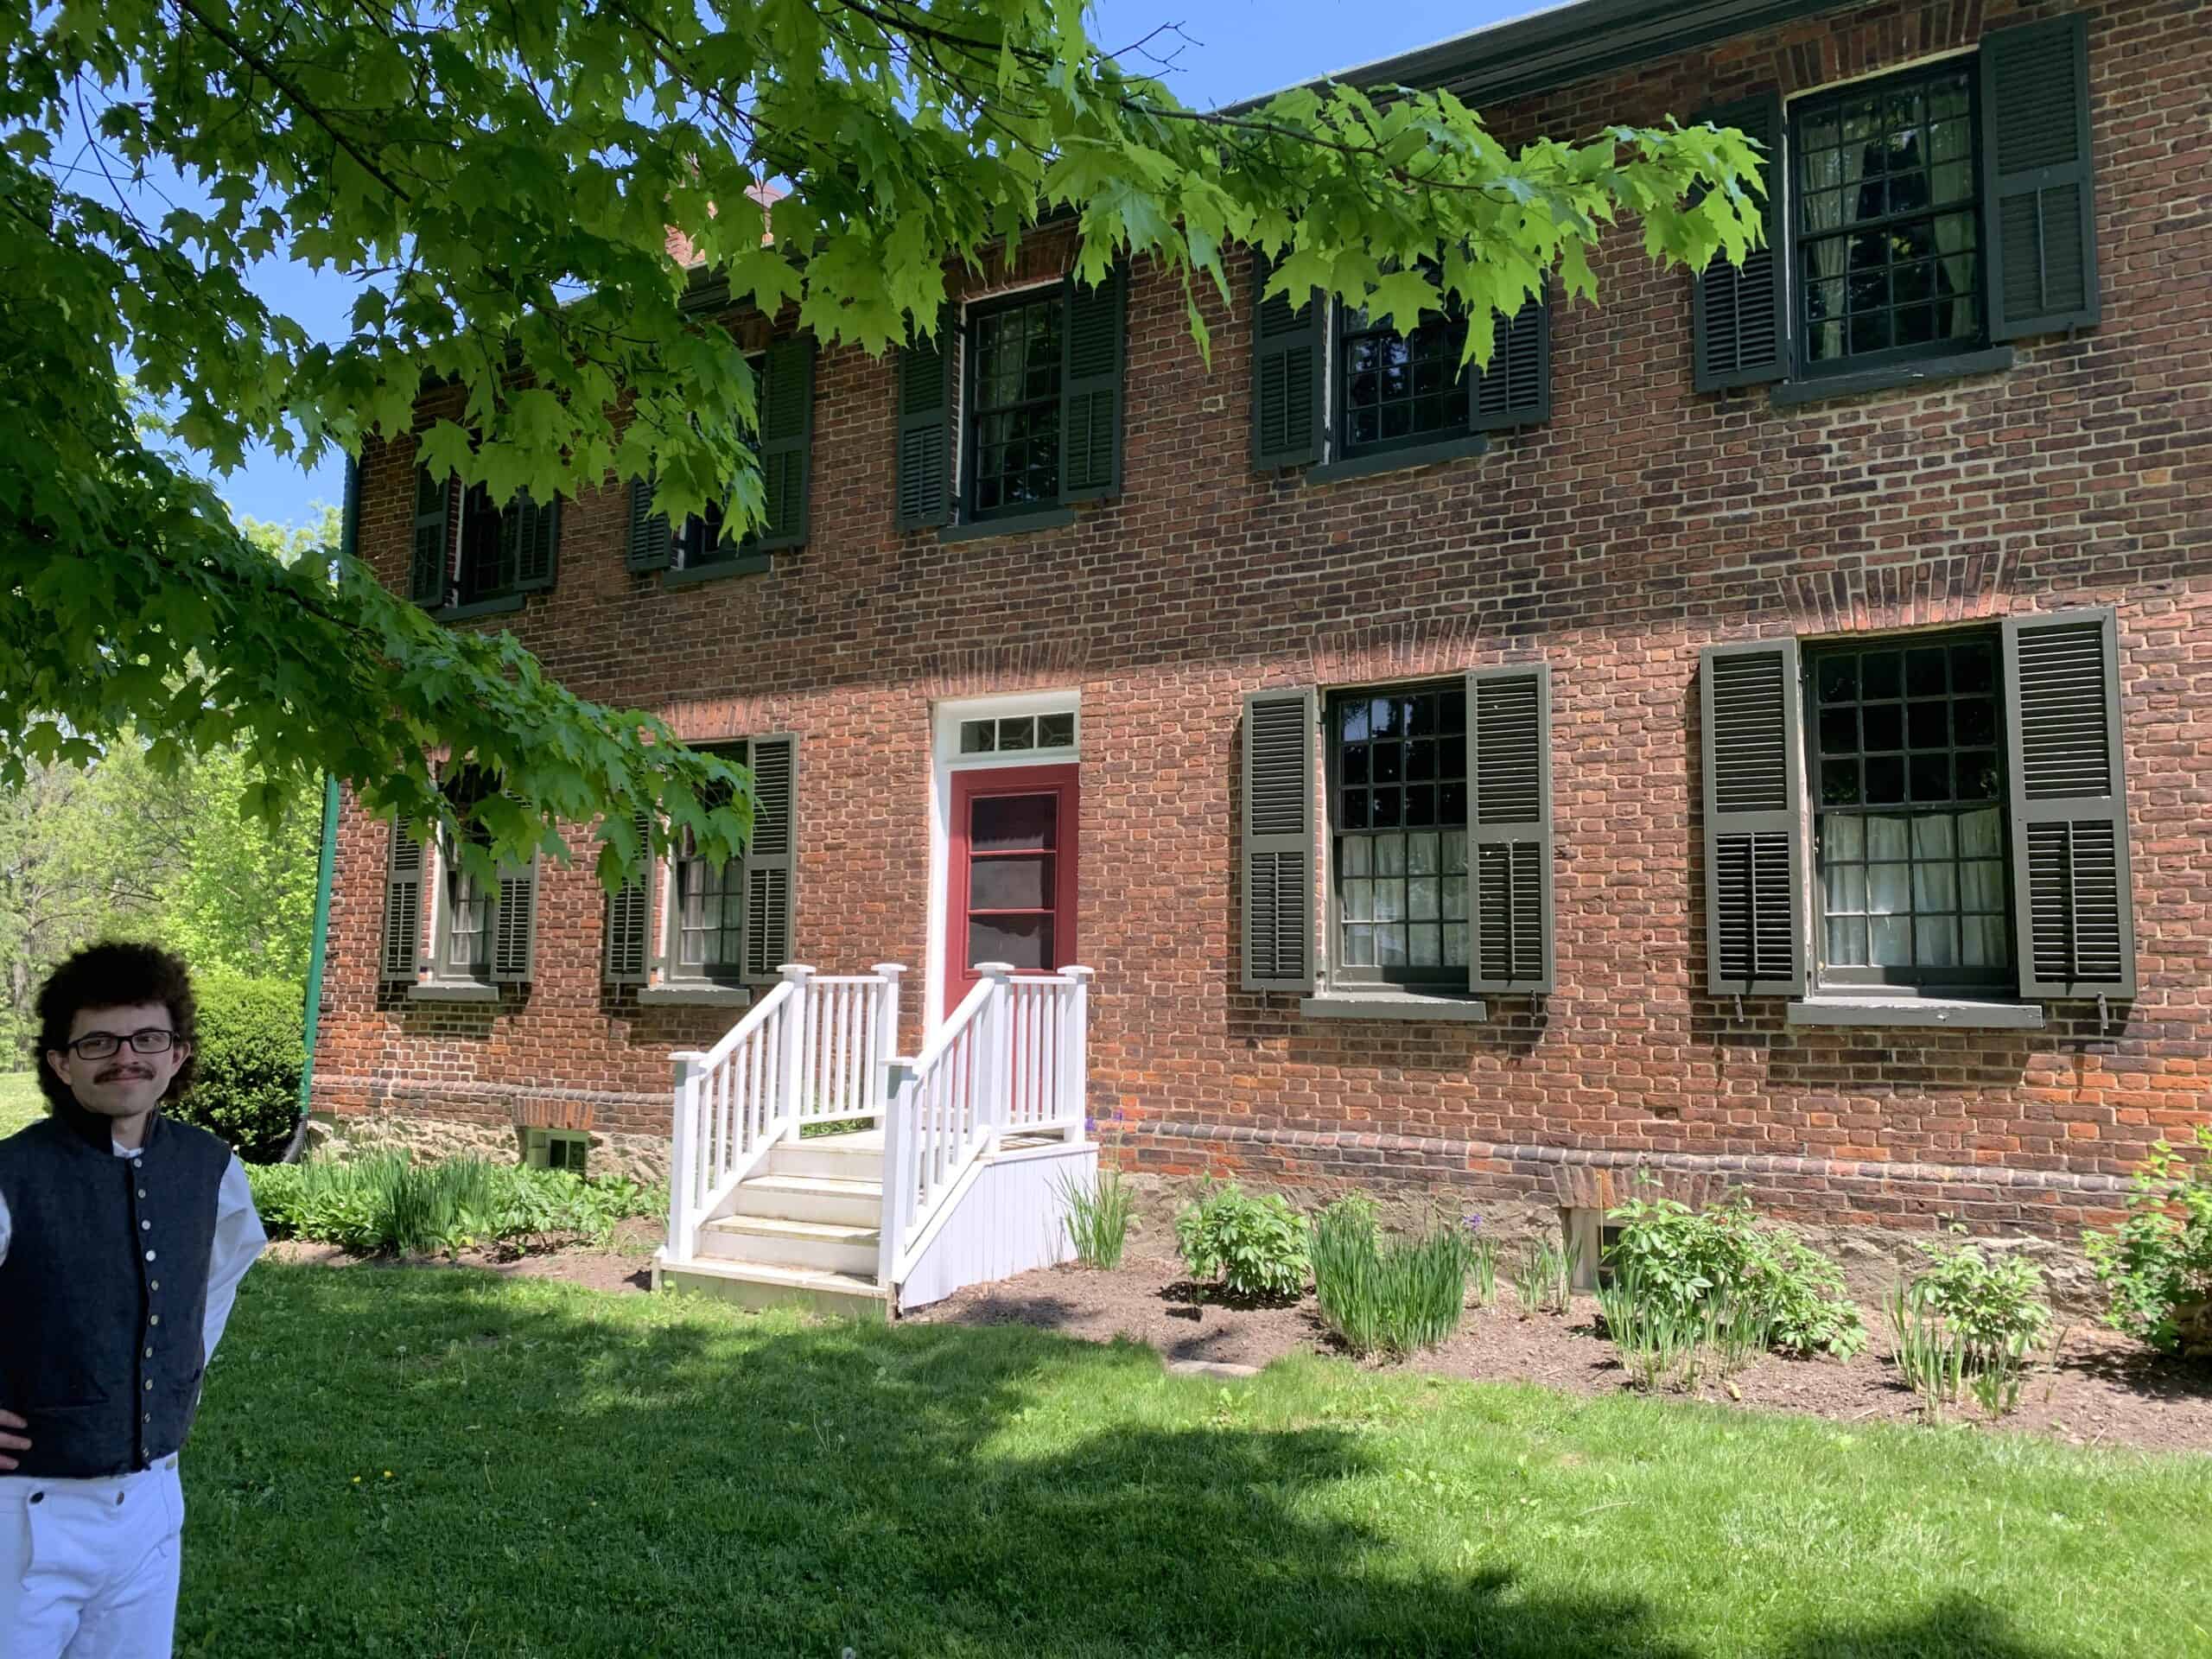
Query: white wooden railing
[[813, 1050], [1012, 1059]]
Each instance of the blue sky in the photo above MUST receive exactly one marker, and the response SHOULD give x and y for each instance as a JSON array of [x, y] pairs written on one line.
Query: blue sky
[[1235, 48]]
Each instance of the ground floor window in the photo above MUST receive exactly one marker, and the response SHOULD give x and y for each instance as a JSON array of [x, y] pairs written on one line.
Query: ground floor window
[[1398, 835]]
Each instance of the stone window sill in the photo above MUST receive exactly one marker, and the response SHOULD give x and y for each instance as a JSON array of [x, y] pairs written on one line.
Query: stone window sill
[[1399, 460], [500, 606], [1965, 1014], [745, 565], [453, 992], [695, 997], [1391, 1005], [1888, 376], [1018, 524]]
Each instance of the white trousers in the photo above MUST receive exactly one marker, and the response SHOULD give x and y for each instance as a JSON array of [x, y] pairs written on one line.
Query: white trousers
[[88, 1567]]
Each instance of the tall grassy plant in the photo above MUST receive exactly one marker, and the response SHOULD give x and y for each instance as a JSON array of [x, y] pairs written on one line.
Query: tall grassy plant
[[1098, 1211], [1393, 1297]]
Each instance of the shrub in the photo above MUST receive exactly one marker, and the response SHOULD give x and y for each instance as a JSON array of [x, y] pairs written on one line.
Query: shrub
[[385, 1202], [1686, 1260], [1543, 1278], [253, 1050], [1391, 1297], [1967, 1320], [1098, 1216], [2156, 1266], [1252, 1246]]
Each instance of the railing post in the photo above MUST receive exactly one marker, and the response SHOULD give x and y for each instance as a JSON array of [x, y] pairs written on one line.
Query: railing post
[[887, 1028], [797, 1018], [995, 1052], [1075, 1053], [898, 1178], [683, 1157]]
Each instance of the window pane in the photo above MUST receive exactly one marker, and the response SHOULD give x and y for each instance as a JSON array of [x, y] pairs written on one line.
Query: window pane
[[1844, 836], [1977, 775], [1888, 888], [1886, 836], [1884, 779], [1840, 729], [1455, 945], [1979, 835], [1455, 898], [1935, 887], [1931, 836], [1388, 763], [1884, 726], [1010, 883], [1425, 946], [1847, 889], [1359, 947], [1881, 674], [1936, 941], [1010, 823], [1986, 942], [1352, 764], [1455, 850], [1847, 943], [1352, 810], [978, 736], [1387, 809], [1024, 940], [1421, 854], [1422, 897], [1018, 733], [1839, 783], [1389, 855], [1973, 666], [1420, 805], [1390, 946], [1890, 942], [1359, 856], [1838, 678], [1389, 901], [1981, 884], [1931, 725], [1359, 899], [1056, 731]]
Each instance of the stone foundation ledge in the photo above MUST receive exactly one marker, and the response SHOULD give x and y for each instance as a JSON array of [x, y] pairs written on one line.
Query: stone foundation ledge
[[641, 1158]]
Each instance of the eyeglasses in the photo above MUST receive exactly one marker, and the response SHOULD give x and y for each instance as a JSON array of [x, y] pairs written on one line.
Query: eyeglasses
[[100, 1044]]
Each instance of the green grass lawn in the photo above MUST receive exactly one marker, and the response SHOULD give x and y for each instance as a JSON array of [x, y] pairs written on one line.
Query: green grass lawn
[[428, 1462], [20, 1101]]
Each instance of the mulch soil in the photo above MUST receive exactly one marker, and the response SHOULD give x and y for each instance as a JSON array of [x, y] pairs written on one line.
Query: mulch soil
[[2104, 1390]]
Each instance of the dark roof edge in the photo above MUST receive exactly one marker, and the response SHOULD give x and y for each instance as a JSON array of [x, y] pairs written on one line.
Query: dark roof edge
[[1547, 49]]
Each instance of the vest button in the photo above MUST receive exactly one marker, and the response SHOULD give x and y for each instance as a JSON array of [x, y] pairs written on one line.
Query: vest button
[[38, 1497], [150, 1256], [146, 1227], [148, 1418], [150, 1381], [153, 1318], [150, 1353], [153, 1284], [142, 1191]]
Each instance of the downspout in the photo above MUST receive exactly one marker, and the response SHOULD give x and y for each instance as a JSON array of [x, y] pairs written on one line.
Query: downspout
[[326, 860]]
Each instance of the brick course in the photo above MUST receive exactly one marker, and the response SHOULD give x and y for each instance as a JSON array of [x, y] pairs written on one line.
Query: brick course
[[1641, 522]]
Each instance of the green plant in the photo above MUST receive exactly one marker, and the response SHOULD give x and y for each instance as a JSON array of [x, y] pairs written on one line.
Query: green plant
[[1252, 1246], [1930, 1358], [1690, 1258], [2156, 1266], [1392, 1296], [1654, 1336], [1098, 1213], [1543, 1277], [384, 1203], [1995, 1302], [247, 1086]]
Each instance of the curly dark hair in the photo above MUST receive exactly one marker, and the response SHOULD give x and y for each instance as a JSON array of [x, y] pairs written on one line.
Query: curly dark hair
[[115, 977]]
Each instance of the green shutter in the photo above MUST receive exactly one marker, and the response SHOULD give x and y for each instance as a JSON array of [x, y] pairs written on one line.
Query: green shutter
[[431, 568], [629, 919], [1510, 829], [787, 440], [402, 906], [514, 923], [1279, 728], [925, 434], [1091, 344], [2073, 897], [771, 860], [1739, 313], [2035, 178], [1515, 390], [1754, 767], [649, 545], [531, 535], [1286, 375]]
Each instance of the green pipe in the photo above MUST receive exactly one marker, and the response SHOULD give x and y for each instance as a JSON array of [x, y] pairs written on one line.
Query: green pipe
[[348, 532], [323, 868]]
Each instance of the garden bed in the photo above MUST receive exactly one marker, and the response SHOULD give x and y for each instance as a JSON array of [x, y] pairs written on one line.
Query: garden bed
[[624, 1263], [2105, 1390]]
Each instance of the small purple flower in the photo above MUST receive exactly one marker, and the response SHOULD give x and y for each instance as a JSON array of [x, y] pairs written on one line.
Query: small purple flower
[[1471, 1222]]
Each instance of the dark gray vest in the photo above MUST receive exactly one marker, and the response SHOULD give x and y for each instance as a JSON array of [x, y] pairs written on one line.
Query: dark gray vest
[[104, 1289]]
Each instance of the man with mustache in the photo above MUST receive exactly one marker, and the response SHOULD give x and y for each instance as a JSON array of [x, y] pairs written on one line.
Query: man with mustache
[[123, 1235]]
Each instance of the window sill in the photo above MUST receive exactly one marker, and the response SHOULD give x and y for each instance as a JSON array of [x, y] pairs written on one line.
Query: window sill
[[500, 606], [453, 992], [1908, 1010], [745, 565], [1391, 1005], [1014, 524], [1399, 460], [695, 997], [1887, 376]]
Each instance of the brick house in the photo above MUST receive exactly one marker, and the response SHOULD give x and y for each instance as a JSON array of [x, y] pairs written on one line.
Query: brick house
[[1749, 734]]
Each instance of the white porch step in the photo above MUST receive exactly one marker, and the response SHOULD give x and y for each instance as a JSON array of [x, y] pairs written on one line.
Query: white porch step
[[847, 1203], [856, 1157], [753, 1284], [827, 1247]]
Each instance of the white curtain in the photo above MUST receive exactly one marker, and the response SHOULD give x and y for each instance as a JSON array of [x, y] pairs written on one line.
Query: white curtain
[[1827, 210]]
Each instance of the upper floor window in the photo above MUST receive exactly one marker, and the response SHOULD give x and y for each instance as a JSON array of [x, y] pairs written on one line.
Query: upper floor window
[[782, 444], [1014, 351], [470, 551], [1400, 388], [1012, 409], [1887, 216]]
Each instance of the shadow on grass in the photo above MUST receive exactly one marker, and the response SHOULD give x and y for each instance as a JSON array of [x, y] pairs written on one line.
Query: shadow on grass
[[424, 1463], [1957, 1626]]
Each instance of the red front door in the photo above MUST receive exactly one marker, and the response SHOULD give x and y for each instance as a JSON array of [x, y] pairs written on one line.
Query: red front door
[[1012, 873]]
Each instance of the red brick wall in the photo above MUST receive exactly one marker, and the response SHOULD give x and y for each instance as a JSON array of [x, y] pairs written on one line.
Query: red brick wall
[[1642, 522]]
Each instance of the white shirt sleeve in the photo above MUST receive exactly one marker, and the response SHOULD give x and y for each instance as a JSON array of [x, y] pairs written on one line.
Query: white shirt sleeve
[[238, 1240]]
